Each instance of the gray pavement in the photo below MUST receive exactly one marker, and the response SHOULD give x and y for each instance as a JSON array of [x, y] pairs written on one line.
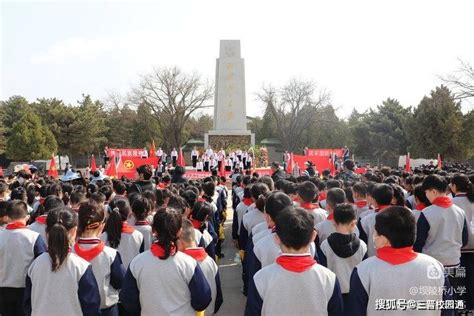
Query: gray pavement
[[231, 274]]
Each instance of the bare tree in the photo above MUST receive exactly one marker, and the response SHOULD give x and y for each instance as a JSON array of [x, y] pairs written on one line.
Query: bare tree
[[462, 81], [173, 97], [293, 106]]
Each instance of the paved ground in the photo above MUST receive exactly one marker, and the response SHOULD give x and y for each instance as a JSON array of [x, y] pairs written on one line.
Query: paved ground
[[230, 272]]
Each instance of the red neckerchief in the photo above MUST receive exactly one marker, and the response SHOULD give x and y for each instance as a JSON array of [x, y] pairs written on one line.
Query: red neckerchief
[[163, 185], [41, 219], [308, 206], [247, 201], [91, 253], [331, 217], [141, 223], [158, 250], [196, 224], [381, 208], [200, 199], [322, 196], [396, 255], [199, 254], [41, 200], [443, 201], [420, 206], [296, 263], [461, 194], [15, 225], [127, 228], [361, 203]]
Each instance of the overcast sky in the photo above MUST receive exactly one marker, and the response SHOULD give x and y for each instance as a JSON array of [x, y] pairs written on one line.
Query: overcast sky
[[362, 52]]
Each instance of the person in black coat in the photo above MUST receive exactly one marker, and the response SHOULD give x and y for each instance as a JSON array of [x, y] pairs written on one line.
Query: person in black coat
[[278, 173]]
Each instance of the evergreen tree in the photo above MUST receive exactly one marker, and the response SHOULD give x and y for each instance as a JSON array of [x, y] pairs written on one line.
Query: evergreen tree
[[30, 139], [437, 126]]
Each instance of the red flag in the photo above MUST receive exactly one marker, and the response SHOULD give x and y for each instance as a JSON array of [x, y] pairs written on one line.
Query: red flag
[[289, 167], [222, 168], [407, 163], [152, 150], [93, 164], [440, 162], [112, 168], [180, 161], [53, 171]]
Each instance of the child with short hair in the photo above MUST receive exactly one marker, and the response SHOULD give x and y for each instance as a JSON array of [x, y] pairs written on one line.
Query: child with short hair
[[60, 282], [360, 199], [396, 269], [334, 197], [308, 196], [420, 201], [342, 251], [120, 235], [164, 281], [382, 195], [187, 245], [19, 246], [278, 287], [39, 225]]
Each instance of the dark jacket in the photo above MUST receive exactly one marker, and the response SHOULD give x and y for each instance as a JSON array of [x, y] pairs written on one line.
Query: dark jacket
[[278, 175]]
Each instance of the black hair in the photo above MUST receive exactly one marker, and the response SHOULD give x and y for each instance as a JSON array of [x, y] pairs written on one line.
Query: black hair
[[3, 208], [119, 210], [3, 187], [208, 189], [275, 203], [398, 194], [307, 191], [178, 203], [349, 164], [335, 196], [146, 171], [77, 197], [260, 203], [360, 188], [435, 182], [398, 225], [141, 207], [151, 196], [382, 193], [294, 227], [91, 188], [55, 189], [166, 225], [190, 197], [333, 184], [290, 187], [201, 212], [344, 213], [463, 184], [51, 202], [119, 187], [349, 194], [419, 193], [268, 181], [91, 216], [18, 194], [16, 209], [258, 189], [107, 191], [58, 223]]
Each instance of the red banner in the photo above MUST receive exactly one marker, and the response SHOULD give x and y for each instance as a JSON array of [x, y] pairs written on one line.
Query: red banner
[[326, 152], [127, 165], [128, 152]]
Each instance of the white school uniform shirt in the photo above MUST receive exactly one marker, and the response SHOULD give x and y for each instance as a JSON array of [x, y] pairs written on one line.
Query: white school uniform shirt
[[39, 227], [159, 153], [145, 228], [174, 153], [252, 218], [129, 247], [468, 208], [195, 153], [199, 165]]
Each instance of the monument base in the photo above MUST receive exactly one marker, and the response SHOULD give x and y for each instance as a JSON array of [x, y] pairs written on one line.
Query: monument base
[[225, 139]]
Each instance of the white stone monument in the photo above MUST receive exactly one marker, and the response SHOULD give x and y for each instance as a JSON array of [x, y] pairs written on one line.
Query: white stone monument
[[230, 118]]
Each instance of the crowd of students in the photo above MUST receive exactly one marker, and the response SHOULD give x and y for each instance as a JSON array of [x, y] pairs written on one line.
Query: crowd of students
[[386, 242]]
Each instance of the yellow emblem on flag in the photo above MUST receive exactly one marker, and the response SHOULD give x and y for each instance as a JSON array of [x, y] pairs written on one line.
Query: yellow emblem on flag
[[128, 164]]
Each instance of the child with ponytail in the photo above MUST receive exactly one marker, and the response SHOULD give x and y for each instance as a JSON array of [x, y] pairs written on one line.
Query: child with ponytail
[[141, 208], [106, 261], [119, 234], [180, 287], [61, 272], [202, 212]]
